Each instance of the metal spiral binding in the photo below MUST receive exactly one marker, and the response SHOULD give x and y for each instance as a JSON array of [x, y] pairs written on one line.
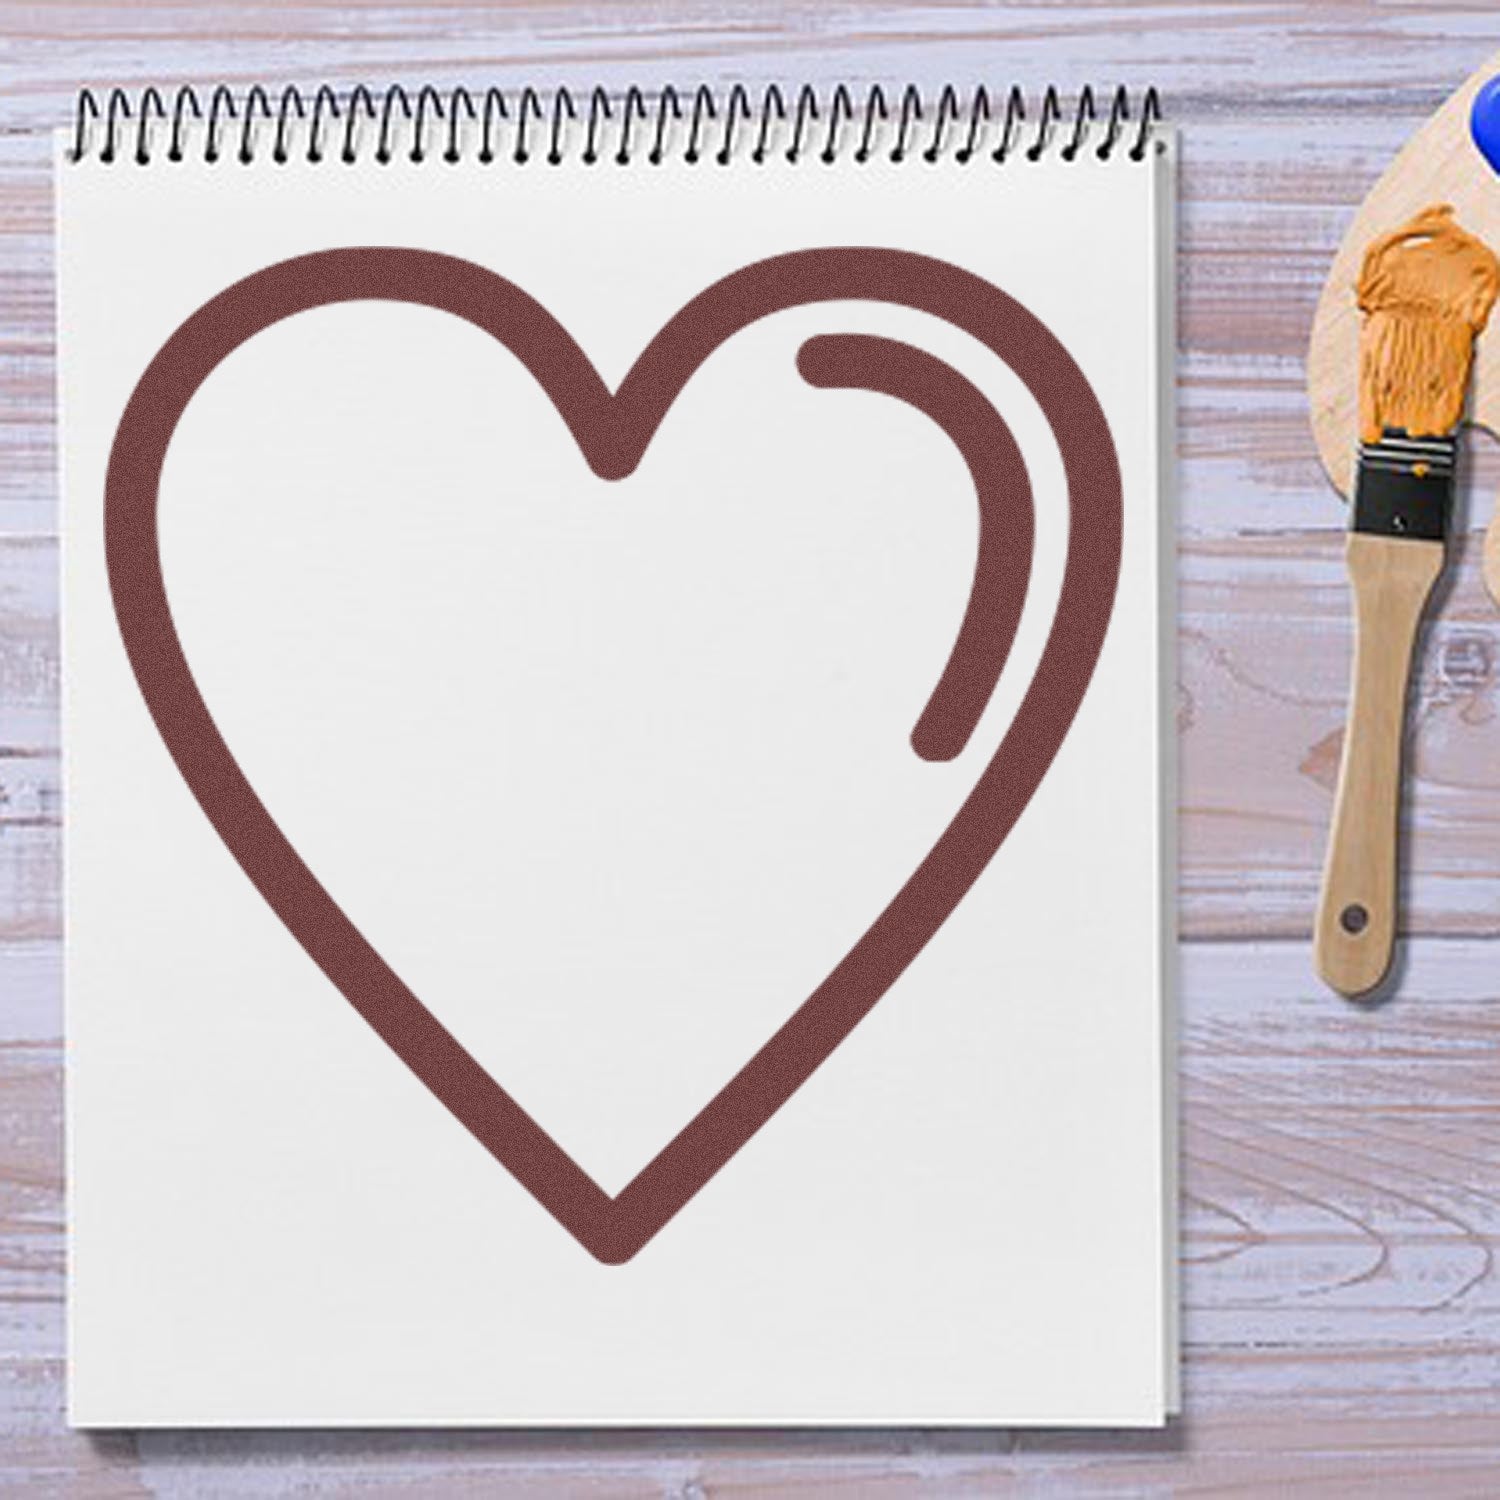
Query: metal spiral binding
[[696, 125]]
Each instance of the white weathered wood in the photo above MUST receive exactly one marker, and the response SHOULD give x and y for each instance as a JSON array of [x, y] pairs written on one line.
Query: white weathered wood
[[1342, 1168], [1341, 1207], [1266, 638]]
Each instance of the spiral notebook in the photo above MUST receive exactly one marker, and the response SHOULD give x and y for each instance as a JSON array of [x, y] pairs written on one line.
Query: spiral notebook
[[619, 799]]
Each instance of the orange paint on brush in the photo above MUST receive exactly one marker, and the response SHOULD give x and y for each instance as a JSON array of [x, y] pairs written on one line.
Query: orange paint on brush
[[1426, 291]]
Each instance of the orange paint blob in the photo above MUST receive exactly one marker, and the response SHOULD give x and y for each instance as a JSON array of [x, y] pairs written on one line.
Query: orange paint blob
[[1426, 291]]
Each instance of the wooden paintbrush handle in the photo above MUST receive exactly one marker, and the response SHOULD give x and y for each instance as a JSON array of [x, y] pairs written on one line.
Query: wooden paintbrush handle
[[1391, 578]]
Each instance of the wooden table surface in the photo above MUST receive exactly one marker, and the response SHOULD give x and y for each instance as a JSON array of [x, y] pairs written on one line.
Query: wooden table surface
[[1341, 1167]]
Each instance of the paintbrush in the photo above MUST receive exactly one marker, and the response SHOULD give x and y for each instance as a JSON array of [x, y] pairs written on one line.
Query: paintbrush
[[1426, 291]]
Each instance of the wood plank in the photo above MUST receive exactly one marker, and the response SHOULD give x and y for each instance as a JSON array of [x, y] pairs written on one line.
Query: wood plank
[[1265, 644], [1341, 1183], [1341, 1208]]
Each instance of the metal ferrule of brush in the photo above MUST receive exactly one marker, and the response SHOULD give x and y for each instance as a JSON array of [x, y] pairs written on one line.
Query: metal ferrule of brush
[[1403, 486]]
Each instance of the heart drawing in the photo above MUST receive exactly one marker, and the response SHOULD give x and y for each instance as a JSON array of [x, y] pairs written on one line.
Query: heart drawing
[[612, 431]]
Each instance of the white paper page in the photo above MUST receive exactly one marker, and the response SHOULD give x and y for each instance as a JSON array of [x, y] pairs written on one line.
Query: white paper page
[[611, 774]]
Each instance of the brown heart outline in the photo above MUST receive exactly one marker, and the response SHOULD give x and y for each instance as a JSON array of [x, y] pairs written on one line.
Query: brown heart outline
[[612, 431]]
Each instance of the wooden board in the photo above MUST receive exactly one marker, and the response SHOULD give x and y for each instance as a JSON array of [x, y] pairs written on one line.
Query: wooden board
[[1439, 164], [1342, 1170]]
